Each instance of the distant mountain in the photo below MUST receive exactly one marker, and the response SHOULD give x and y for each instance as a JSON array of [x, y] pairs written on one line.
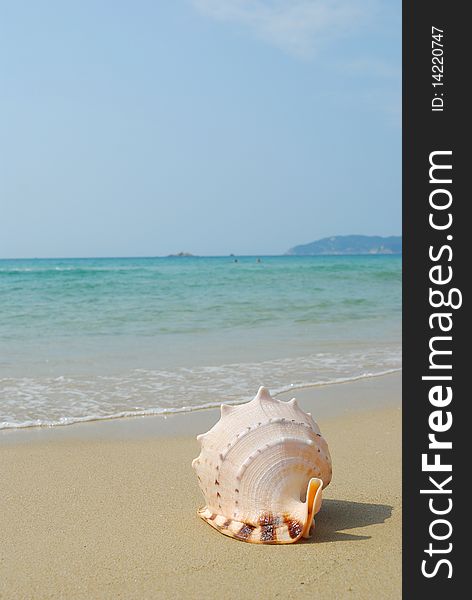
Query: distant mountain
[[350, 244]]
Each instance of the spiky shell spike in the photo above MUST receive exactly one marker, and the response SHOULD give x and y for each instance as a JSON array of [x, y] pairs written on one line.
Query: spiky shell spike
[[262, 469]]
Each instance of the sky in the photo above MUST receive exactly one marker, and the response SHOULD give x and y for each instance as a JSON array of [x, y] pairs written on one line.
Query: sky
[[144, 127]]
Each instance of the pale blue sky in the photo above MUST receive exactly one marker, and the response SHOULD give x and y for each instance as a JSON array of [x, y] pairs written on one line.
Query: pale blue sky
[[146, 127]]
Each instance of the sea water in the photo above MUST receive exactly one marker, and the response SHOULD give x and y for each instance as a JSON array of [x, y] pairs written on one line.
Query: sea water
[[84, 339]]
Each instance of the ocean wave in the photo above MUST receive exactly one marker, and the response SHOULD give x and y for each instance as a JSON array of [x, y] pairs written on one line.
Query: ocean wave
[[108, 397]]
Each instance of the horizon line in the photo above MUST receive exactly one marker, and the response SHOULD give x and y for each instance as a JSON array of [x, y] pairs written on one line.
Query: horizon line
[[185, 254], [197, 256]]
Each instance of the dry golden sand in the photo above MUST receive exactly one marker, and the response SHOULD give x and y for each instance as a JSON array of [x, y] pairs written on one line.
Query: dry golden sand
[[109, 517]]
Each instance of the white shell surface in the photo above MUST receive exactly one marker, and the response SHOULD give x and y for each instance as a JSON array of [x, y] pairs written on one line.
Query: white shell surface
[[255, 467]]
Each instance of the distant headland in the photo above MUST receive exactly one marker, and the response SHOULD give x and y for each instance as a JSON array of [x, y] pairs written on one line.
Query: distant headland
[[350, 244]]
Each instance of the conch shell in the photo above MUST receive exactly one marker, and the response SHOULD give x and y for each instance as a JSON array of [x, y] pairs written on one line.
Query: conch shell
[[261, 470]]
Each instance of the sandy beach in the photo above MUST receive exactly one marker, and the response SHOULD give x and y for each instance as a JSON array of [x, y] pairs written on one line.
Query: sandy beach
[[108, 510]]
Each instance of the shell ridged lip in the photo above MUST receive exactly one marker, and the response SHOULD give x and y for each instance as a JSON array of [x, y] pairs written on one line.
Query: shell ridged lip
[[270, 529]]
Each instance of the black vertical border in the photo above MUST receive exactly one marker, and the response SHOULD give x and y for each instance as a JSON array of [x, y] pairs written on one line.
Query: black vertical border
[[425, 131]]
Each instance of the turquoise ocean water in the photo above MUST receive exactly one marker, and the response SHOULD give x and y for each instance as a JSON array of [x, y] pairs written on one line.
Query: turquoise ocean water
[[83, 339]]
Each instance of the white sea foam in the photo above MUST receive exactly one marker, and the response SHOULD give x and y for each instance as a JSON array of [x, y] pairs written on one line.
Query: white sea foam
[[57, 401]]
